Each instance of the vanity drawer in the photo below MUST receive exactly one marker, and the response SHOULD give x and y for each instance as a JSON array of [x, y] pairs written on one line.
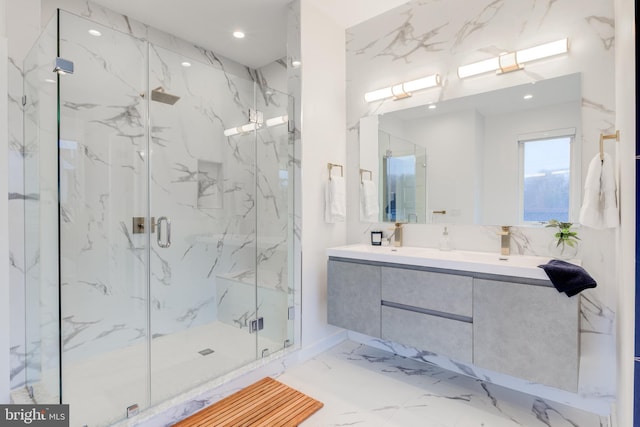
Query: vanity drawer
[[446, 337], [445, 293]]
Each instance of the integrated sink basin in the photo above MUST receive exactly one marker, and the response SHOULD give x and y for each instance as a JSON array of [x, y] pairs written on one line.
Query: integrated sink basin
[[480, 262]]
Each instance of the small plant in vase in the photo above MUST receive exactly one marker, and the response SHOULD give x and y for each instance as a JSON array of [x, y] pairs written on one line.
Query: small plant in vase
[[565, 245]]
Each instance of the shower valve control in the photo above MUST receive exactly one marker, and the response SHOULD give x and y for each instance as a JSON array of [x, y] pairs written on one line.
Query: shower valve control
[[138, 225], [256, 325]]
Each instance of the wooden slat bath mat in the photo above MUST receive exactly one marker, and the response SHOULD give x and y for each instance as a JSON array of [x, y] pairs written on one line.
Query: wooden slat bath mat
[[267, 403]]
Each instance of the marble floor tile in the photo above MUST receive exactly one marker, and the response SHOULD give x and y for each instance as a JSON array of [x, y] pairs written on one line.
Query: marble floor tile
[[360, 385]]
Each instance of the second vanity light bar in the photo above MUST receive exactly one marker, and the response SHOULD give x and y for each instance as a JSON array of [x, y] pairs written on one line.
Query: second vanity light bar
[[513, 61]]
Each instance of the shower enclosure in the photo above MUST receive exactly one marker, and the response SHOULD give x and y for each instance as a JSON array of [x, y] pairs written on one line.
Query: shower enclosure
[[159, 219]]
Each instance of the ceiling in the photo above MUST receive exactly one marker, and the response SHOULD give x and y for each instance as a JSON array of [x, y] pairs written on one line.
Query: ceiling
[[210, 23]]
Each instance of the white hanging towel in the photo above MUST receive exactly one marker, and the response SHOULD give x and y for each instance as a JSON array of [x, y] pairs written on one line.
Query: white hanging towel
[[335, 200], [369, 209], [600, 202]]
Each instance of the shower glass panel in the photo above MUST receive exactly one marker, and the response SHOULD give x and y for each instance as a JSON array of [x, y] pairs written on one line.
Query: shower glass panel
[[103, 185], [42, 356], [159, 242], [202, 189], [274, 174]]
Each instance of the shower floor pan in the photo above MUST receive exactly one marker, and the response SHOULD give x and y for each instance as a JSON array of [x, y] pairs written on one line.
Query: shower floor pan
[[100, 390]]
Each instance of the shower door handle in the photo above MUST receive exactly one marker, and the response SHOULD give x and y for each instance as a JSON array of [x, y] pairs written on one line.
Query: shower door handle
[[167, 243]]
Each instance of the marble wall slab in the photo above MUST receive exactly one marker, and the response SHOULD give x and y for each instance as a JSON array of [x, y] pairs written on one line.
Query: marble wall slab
[[16, 237], [427, 37]]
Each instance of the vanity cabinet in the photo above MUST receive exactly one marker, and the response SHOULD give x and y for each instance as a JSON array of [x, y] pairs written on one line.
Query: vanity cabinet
[[428, 310], [353, 297], [527, 331], [518, 326]]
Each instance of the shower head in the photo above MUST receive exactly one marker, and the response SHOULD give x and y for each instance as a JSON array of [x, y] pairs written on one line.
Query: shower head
[[158, 94]]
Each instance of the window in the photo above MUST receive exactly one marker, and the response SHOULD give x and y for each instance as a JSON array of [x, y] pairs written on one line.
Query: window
[[546, 179]]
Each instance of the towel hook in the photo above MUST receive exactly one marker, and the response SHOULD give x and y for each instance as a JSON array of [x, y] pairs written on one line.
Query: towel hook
[[604, 137], [362, 172], [330, 166]]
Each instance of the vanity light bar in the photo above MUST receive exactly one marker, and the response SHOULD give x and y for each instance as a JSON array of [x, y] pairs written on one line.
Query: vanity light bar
[[403, 90], [513, 61]]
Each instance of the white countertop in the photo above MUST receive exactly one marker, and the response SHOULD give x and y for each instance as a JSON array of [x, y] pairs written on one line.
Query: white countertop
[[481, 262]]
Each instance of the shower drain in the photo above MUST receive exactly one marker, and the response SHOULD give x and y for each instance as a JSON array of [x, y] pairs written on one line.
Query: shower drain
[[206, 352]]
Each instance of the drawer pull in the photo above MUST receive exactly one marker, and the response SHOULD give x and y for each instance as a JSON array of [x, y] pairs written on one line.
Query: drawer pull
[[435, 313]]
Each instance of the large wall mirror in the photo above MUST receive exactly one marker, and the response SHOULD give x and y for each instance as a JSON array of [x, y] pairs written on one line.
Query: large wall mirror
[[507, 157]]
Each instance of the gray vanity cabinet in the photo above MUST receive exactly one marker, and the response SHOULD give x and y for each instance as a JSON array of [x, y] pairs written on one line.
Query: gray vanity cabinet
[[428, 310], [527, 331], [353, 296], [520, 327]]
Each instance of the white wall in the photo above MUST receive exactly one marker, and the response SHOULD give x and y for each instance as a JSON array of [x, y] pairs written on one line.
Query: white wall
[[625, 122], [347, 13], [446, 137], [324, 136], [4, 208]]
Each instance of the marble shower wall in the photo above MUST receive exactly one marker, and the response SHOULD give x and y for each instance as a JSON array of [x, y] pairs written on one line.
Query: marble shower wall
[[203, 181], [17, 199], [27, 76], [425, 37], [40, 214]]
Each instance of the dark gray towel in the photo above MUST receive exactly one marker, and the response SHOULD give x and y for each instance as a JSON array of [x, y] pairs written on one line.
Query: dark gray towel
[[568, 278]]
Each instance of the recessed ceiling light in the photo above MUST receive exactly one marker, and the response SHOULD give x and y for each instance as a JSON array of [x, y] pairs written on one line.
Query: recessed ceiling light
[[95, 33], [185, 64], [527, 96], [238, 34], [432, 106], [295, 63]]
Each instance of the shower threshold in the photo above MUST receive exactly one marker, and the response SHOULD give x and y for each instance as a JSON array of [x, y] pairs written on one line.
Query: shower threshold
[[100, 389]]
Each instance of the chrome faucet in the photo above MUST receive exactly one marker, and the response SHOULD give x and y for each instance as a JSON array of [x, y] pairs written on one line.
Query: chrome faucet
[[505, 240]]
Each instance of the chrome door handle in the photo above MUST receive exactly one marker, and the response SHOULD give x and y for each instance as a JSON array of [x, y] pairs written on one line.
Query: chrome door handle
[[159, 224]]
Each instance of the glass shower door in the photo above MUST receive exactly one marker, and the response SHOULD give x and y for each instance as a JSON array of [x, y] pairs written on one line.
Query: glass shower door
[[102, 151], [274, 182], [161, 198], [42, 355], [203, 248]]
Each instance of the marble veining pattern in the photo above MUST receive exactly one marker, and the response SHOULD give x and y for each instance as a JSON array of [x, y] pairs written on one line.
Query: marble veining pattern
[[19, 354], [361, 385], [348, 378]]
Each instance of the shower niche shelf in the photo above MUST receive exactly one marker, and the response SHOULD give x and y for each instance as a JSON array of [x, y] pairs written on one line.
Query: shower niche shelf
[[210, 189]]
